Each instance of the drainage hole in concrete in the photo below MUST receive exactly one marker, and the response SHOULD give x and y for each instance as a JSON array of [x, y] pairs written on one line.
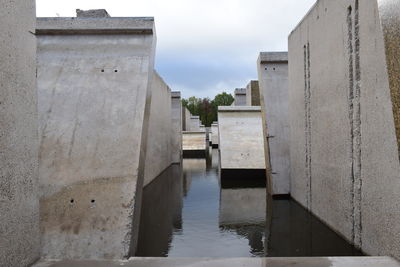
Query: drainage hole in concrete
[[102, 70], [115, 70], [72, 201], [93, 201]]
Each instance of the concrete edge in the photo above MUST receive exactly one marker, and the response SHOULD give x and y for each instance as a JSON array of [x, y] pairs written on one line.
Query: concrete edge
[[193, 132], [112, 25], [239, 109], [273, 57], [304, 17], [240, 91], [176, 94]]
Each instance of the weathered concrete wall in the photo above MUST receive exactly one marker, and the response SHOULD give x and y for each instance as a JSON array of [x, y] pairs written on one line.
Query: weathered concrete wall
[[185, 119], [176, 109], [194, 143], [241, 138], [253, 94], [344, 152], [94, 85], [214, 134], [159, 140], [240, 97], [19, 200], [194, 124], [274, 91]]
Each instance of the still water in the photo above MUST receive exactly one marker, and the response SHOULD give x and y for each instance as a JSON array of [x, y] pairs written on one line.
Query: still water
[[189, 212]]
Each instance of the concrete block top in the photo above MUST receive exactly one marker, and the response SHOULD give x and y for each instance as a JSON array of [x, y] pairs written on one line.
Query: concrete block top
[[92, 13], [176, 94], [95, 25], [192, 132], [239, 109], [273, 57], [195, 117], [240, 91]]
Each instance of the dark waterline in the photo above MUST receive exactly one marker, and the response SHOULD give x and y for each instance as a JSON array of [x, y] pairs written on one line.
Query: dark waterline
[[187, 213]]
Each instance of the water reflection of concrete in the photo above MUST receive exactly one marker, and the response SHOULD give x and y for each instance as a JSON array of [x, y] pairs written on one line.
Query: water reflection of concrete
[[242, 206], [191, 166], [161, 213]]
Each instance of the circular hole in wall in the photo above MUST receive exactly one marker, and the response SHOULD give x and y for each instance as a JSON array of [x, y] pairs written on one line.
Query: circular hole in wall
[[93, 201], [72, 200]]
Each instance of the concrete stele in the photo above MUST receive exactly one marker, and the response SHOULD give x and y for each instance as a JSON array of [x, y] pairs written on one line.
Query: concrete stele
[[194, 144], [176, 127], [241, 138], [214, 135], [343, 79], [94, 87], [240, 97], [274, 90], [19, 199], [253, 94]]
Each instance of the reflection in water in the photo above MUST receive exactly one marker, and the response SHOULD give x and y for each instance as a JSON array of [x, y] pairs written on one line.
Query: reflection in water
[[228, 218]]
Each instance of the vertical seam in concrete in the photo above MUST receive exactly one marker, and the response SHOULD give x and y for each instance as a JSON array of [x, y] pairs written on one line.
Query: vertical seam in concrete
[[307, 106], [355, 121]]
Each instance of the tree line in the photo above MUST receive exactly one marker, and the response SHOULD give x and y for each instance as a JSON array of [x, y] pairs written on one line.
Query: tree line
[[206, 108]]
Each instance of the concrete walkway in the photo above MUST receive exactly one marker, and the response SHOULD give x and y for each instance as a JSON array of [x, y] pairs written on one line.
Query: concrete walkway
[[232, 262]]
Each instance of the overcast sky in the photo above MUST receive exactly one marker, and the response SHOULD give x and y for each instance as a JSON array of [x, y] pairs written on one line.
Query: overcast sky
[[204, 47]]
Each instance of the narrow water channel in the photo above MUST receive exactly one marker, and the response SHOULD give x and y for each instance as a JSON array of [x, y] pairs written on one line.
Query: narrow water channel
[[189, 212]]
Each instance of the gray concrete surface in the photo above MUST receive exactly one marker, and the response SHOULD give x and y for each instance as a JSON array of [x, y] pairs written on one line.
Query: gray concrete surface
[[214, 134], [194, 141], [19, 199], [240, 137], [253, 94], [240, 97], [234, 262], [94, 88], [92, 13], [343, 146], [176, 109], [185, 119], [159, 140], [195, 124], [274, 90]]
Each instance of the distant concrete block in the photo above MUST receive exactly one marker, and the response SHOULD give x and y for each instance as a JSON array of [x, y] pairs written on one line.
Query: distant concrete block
[[253, 94], [274, 90], [241, 141], [185, 119], [19, 186], [194, 124], [94, 87], [214, 135], [92, 13], [194, 144], [176, 127], [343, 111], [240, 97], [160, 133]]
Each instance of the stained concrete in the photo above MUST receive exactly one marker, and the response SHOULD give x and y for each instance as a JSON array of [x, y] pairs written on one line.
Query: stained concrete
[[274, 90], [19, 200], [240, 97], [241, 138], [214, 135], [176, 109], [233, 262], [194, 143], [159, 140], [343, 147], [94, 85], [253, 94]]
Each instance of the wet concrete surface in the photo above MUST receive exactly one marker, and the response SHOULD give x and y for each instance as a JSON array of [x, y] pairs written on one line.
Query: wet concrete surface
[[190, 212]]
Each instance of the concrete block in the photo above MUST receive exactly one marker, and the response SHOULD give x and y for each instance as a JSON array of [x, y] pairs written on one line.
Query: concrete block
[[185, 119], [343, 81], [214, 135], [253, 94], [194, 124], [160, 132], [94, 85], [19, 199], [92, 13], [241, 139], [176, 106], [274, 90], [240, 97], [194, 144]]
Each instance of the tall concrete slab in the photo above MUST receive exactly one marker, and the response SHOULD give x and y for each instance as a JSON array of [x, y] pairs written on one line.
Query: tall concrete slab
[[240, 97], [253, 94], [214, 135], [159, 140], [343, 106], [274, 90], [194, 124], [94, 84], [240, 141], [19, 199], [185, 119], [176, 109]]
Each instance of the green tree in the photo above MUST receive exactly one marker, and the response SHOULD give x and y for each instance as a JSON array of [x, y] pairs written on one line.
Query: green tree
[[207, 109]]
